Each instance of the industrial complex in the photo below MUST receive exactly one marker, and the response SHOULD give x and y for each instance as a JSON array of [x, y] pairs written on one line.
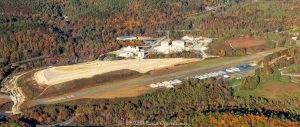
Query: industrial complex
[[163, 45]]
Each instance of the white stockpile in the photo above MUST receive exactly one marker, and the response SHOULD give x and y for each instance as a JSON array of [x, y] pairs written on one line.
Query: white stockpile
[[295, 38], [131, 51], [61, 74], [198, 44], [167, 47], [186, 43]]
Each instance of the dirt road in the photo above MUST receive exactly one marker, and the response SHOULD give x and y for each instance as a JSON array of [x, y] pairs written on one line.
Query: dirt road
[[15, 93]]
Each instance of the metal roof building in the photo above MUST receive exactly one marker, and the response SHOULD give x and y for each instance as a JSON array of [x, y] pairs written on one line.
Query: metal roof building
[[127, 38]]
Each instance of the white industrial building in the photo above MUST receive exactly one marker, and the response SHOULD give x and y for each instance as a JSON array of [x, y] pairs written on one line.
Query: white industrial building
[[168, 47], [295, 38], [127, 38], [125, 54], [178, 43], [197, 43], [130, 51], [141, 54], [187, 43]]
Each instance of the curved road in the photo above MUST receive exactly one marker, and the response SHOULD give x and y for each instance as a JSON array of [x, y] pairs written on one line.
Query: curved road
[[172, 75]]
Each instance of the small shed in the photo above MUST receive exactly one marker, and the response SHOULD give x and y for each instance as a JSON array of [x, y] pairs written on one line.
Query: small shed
[[178, 43], [141, 55], [125, 54], [295, 38], [153, 85], [131, 49]]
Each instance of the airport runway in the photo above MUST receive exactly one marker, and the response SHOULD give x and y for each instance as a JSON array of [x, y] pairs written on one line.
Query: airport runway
[[172, 75]]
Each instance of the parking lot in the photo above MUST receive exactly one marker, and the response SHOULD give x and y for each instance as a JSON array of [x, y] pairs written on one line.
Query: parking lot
[[224, 73]]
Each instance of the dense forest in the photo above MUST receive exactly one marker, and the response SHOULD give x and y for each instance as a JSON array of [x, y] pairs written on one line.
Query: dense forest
[[65, 31]]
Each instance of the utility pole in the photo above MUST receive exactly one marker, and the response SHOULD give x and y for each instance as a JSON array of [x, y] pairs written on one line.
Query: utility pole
[[168, 34]]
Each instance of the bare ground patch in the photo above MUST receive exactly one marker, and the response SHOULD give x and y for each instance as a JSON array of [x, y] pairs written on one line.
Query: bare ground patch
[[251, 44], [244, 42], [280, 91], [96, 80], [4, 99], [29, 86], [57, 75]]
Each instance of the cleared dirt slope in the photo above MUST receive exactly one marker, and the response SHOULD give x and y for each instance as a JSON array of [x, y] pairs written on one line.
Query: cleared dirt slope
[[61, 74]]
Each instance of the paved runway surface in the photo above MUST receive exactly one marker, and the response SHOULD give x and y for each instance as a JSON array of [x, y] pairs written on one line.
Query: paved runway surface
[[172, 75]]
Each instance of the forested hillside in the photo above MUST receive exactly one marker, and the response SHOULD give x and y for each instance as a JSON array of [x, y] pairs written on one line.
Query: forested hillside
[[65, 31], [71, 31], [250, 18]]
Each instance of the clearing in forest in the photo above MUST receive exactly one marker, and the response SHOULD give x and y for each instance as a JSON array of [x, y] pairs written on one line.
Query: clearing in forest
[[275, 90], [4, 99], [244, 43]]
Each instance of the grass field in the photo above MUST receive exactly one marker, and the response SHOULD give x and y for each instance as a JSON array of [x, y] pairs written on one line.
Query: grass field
[[244, 42], [123, 92], [252, 45], [96, 80], [275, 90]]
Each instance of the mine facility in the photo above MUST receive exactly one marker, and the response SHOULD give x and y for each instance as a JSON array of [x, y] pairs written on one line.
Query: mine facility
[[162, 45]]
